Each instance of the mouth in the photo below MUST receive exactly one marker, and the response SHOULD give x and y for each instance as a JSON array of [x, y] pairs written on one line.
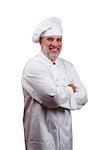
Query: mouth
[[54, 48]]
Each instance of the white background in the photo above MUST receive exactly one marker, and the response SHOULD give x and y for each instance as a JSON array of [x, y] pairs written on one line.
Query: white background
[[18, 19]]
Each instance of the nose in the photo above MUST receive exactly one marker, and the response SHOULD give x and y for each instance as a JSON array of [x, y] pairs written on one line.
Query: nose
[[55, 42]]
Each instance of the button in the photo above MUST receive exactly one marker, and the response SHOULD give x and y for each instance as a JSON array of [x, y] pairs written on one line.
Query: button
[[54, 63]]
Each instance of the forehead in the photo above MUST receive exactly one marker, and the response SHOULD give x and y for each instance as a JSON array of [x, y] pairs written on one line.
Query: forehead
[[52, 36]]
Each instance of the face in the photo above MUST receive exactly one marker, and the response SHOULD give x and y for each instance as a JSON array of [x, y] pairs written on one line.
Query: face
[[51, 46]]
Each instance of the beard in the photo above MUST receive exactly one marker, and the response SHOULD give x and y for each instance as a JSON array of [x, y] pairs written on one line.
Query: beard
[[48, 51], [53, 56]]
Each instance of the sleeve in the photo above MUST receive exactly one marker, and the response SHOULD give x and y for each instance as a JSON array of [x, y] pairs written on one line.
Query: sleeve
[[79, 98], [41, 87]]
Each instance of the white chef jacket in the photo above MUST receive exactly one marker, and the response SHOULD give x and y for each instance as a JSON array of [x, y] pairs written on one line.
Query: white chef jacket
[[48, 101], [51, 85]]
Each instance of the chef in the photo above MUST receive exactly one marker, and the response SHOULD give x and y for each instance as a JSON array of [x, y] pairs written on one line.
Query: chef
[[51, 88]]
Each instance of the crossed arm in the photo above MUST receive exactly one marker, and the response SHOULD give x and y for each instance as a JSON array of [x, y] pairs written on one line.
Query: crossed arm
[[42, 88]]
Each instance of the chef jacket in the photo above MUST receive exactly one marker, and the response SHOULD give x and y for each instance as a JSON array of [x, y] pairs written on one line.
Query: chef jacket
[[48, 99]]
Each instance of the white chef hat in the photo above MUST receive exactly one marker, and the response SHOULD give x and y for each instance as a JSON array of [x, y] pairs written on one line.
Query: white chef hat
[[48, 27]]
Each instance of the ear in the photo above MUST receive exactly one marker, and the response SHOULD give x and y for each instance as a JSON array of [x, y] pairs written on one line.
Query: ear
[[40, 39]]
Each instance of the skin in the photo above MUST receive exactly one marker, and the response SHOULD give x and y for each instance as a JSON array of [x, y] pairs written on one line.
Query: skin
[[73, 87], [51, 46]]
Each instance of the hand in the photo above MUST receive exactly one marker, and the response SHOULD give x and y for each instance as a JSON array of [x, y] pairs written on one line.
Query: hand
[[73, 87]]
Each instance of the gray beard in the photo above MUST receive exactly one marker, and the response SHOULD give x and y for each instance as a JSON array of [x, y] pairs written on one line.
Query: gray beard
[[51, 56]]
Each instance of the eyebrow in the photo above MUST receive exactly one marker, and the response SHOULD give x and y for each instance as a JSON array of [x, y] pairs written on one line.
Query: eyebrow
[[54, 38], [50, 38]]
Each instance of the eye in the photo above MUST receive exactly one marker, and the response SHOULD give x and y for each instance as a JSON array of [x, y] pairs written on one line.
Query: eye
[[50, 39], [59, 39]]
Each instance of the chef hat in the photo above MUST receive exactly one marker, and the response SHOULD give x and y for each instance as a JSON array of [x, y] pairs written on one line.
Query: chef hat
[[48, 27]]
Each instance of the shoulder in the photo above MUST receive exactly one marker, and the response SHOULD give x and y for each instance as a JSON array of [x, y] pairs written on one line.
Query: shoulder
[[29, 64], [33, 65]]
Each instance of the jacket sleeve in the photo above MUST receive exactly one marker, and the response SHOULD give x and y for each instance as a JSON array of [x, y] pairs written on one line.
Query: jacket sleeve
[[41, 87], [79, 98]]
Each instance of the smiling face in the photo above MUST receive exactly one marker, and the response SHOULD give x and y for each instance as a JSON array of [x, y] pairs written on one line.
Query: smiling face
[[51, 46]]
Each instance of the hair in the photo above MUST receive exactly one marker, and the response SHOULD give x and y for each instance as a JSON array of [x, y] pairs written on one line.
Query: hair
[[40, 40]]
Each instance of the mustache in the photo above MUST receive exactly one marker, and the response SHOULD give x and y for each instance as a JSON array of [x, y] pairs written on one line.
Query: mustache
[[54, 47]]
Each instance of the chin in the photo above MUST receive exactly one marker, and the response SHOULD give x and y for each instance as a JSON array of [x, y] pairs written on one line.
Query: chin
[[53, 57]]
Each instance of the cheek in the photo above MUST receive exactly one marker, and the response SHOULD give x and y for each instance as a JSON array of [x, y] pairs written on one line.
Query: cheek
[[46, 43], [60, 44]]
